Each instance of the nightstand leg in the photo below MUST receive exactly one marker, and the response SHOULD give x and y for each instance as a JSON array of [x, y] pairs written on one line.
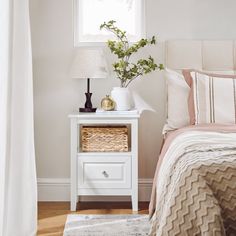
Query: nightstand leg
[[73, 164], [73, 203], [134, 201], [134, 148]]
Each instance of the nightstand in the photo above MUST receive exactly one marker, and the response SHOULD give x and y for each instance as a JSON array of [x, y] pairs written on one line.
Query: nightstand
[[104, 173]]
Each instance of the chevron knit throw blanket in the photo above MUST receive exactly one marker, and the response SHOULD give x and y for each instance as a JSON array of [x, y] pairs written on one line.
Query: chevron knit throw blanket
[[196, 186]]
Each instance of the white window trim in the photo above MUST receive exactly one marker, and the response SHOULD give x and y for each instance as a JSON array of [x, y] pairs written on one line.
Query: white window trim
[[91, 44]]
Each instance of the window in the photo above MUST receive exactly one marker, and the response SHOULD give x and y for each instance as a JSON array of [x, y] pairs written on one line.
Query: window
[[90, 14]]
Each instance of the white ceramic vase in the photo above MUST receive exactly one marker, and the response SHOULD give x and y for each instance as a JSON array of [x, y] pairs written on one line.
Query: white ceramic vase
[[122, 98]]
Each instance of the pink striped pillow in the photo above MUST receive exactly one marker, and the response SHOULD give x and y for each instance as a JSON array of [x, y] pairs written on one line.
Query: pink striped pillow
[[212, 97]]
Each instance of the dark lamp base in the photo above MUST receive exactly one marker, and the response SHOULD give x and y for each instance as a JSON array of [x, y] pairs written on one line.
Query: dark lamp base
[[87, 109]]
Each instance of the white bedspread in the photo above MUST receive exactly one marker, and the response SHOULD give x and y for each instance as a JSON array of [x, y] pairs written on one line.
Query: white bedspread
[[196, 186]]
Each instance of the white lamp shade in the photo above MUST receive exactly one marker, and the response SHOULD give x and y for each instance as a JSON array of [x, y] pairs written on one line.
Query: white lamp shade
[[88, 63]]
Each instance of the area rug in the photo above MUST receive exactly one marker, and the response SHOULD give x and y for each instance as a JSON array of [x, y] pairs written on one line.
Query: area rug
[[107, 225]]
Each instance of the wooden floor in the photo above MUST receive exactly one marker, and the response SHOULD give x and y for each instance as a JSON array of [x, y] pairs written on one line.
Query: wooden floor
[[52, 215]]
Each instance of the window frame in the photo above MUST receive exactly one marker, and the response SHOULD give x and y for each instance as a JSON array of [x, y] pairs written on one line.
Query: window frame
[[78, 43]]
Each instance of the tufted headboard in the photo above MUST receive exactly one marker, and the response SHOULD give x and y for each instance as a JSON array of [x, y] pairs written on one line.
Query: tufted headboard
[[205, 55]]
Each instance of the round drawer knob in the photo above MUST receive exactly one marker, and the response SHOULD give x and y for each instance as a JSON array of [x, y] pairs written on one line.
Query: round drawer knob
[[105, 174]]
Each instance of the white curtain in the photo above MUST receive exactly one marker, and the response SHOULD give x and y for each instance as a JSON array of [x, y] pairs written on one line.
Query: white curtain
[[18, 189]]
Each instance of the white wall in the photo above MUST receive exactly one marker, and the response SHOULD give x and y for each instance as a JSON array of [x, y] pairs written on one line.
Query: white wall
[[56, 94]]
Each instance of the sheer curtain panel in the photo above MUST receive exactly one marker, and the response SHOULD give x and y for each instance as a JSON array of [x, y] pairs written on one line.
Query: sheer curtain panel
[[18, 189]]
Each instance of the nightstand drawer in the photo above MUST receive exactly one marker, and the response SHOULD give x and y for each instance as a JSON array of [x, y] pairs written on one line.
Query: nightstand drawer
[[108, 171]]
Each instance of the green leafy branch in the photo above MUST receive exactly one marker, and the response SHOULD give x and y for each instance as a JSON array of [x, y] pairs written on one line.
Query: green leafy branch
[[125, 70]]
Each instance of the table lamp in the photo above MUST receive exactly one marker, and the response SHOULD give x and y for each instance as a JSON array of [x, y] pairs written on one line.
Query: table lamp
[[88, 63]]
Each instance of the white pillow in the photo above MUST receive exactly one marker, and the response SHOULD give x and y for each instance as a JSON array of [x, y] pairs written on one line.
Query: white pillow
[[214, 98], [177, 101]]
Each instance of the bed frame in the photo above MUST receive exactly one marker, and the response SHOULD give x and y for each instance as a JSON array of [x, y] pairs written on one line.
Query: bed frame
[[207, 55]]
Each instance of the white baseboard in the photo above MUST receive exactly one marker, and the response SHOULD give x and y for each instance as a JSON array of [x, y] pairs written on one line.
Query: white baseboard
[[56, 190]]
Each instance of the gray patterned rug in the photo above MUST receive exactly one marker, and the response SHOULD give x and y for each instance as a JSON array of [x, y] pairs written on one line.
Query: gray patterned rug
[[107, 225]]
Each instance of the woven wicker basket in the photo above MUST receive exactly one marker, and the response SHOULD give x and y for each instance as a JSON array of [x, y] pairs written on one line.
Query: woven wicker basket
[[104, 138]]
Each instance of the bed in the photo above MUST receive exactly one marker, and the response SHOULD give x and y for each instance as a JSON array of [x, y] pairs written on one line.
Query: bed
[[194, 189]]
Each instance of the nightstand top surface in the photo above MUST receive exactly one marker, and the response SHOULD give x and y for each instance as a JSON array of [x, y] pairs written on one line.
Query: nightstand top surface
[[104, 115]]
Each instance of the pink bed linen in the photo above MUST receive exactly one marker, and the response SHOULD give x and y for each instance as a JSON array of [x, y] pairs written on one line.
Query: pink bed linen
[[170, 137]]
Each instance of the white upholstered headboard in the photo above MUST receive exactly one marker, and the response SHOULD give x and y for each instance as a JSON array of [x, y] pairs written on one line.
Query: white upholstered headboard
[[205, 55]]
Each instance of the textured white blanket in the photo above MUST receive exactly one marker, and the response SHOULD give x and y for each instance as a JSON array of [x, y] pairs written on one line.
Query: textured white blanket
[[196, 186]]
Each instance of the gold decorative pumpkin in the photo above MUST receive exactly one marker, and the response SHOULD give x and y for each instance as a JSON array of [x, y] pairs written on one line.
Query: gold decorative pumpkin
[[108, 103]]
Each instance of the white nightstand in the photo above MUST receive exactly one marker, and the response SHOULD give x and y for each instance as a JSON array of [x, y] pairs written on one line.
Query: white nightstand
[[104, 173]]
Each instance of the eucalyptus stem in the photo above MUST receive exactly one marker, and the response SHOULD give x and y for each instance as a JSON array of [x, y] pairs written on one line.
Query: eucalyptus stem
[[123, 68]]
